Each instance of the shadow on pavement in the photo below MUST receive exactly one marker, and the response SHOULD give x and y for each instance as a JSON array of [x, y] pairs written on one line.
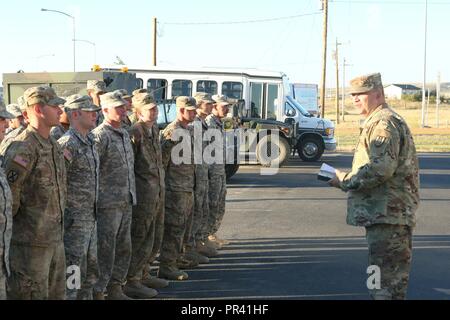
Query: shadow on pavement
[[308, 268]]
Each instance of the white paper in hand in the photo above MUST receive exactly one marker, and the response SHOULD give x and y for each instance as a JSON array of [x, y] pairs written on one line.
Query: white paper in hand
[[326, 173]]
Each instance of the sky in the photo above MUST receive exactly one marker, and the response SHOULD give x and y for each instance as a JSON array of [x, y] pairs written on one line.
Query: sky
[[384, 36]]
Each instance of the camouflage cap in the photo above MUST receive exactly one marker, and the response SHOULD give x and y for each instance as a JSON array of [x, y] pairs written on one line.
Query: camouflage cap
[[112, 100], [203, 97], [124, 93], [4, 113], [366, 83], [135, 92], [35, 95], [53, 99], [97, 86], [14, 109], [143, 101], [21, 103], [186, 102], [221, 99], [80, 102]]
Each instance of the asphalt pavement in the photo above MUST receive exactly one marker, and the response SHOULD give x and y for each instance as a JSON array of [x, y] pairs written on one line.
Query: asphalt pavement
[[289, 239]]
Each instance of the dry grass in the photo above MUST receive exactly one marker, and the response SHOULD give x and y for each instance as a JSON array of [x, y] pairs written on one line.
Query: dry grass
[[428, 139]]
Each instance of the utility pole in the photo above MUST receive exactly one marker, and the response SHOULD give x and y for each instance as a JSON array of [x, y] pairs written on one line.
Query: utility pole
[[324, 54], [336, 57], [344, 64], [438, 98], [424, 94], [155, 34]]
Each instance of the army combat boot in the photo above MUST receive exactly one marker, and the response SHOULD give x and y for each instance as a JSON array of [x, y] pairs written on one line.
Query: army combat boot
[[187, 262], [136, 290], [115, 293], [99, 295], [206, 251], [221, 242], [154, 282], [172, 273], [196, 256]]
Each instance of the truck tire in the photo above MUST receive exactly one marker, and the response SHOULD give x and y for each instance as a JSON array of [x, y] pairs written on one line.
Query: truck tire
[[230, 170], [310, 149], [284, 151]]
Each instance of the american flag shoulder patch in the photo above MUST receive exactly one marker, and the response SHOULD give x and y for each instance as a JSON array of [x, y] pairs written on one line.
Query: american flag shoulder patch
[[68, 155], [21, 161]]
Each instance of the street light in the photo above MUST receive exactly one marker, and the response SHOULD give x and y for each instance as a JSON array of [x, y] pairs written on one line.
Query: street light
[[92, 44], [74, 37], [424, 68]]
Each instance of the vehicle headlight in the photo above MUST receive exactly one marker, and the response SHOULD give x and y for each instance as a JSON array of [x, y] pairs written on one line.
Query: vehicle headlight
[[329, 131]]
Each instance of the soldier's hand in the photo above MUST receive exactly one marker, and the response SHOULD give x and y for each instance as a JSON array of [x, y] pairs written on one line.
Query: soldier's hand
[[336, 181]]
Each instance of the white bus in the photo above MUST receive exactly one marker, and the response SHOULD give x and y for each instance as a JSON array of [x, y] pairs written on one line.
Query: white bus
[[267, 96]]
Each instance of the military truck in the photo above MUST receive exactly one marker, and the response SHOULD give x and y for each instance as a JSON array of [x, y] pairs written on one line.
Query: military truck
[[64, 83]]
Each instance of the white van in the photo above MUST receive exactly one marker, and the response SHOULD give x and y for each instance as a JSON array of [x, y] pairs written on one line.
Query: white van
[[266, 95]]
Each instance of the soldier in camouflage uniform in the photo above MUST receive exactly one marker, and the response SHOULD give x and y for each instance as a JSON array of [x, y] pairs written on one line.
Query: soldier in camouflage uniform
[[383, 186], [201, 198], [179, 188], [217, 176], [34, 167], [126, 122], [82, 164], [18, 121], [59, 130], [117, 195], [5, 212], [95, 89], [149, 172], [133, 117], [14, 133]]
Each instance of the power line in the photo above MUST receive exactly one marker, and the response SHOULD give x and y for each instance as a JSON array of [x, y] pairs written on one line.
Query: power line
[[243, 21]]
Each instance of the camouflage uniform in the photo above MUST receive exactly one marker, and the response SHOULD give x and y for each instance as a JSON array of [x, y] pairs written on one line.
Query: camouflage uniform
[[36, 173], [148, 215], [10, 137], [5, 231], [217, 184], [384, 195], [80, 233], [117, 195], [201, 197], [179, 199], [57, 132]]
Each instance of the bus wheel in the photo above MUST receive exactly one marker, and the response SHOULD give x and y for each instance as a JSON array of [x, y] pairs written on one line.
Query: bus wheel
[[272, 154], [310, 149]]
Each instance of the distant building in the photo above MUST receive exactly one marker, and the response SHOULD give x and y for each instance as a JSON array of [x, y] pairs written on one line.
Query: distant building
[[396, 91]]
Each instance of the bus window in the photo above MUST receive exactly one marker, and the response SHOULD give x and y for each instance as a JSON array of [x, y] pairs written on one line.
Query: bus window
[[256, 103], [181, 88], [272, 96], [233, 89], [140, 83], [207, 86], [157, 88]]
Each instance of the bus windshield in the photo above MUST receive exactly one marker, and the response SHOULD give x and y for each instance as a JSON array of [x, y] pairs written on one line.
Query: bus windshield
[[299, 107]]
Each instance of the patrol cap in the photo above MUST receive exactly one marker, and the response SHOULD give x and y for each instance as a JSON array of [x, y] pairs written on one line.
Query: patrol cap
[[366, 83], [97, 86], [221, 99], [143, 101], [14, 109], [112, 100], [21, 103], [80, 102], [124, 93], [53, 99], [203, 97], [142, 90], [186, 102], [4, 113], [35, 95]]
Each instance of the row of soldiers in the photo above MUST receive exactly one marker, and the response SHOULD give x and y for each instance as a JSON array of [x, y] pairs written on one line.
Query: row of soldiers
[[104, 198]]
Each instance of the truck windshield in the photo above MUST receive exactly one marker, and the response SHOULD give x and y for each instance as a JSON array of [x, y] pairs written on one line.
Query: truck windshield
[[298, 106]]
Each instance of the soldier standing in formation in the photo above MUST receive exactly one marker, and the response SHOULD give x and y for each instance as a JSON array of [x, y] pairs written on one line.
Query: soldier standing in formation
[[117, 195], [95, 89], [82, 163], [149, 172], [5, 211], [179, 188], [217, 175], [383, 186], [34, 167]]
